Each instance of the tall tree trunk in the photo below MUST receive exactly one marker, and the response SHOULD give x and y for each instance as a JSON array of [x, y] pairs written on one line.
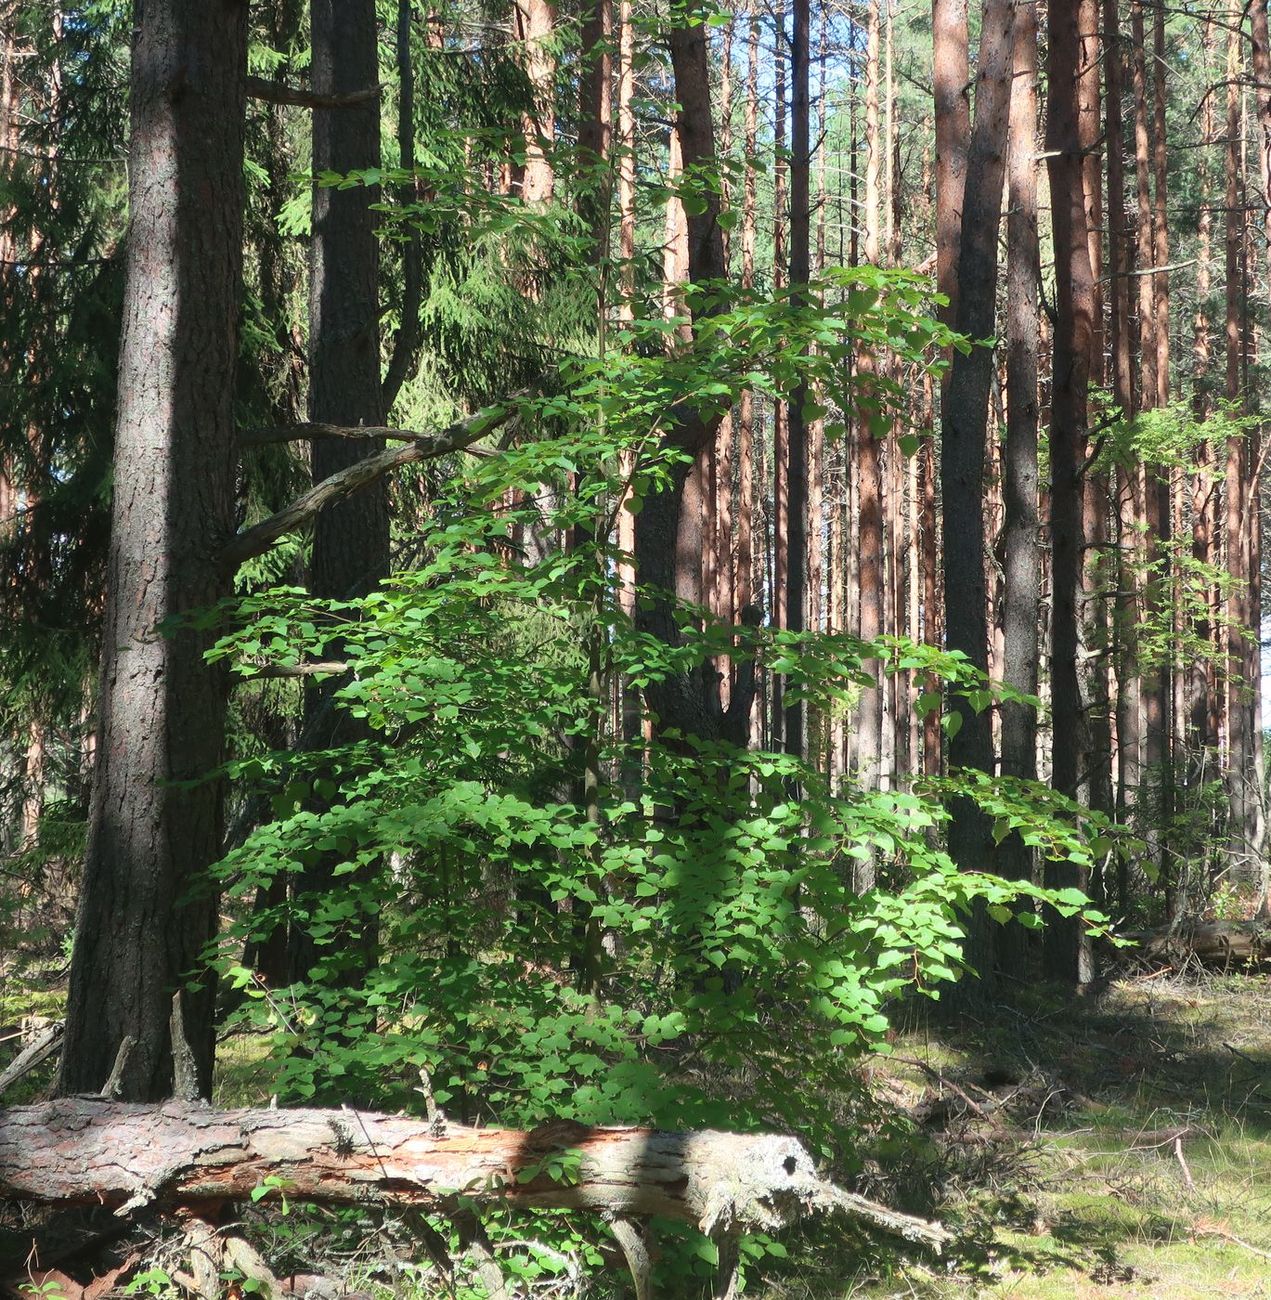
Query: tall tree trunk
[[351, 539], [746, 592], [534, 22], [721, 549], [595, 119], [1238, 747], [1096, 735], [1200, 675], [800, 257], [626, 261], [781, 411], [1066, 951], [870, 718], [669, 527], [1260, 50], [964, 429], [1120, 256], [1156, 710], [407, 337], [1143, 192], [1022, 566], [156, 818], [951, 78], [953, 135]]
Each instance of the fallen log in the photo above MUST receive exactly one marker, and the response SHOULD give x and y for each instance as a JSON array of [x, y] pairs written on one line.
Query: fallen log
[[82, 1151], [1226, 943]]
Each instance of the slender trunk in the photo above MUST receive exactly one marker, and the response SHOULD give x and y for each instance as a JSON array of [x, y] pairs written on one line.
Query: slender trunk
[[595, 120], [722, 559], [1022, 558], [932, 622], [746, 594], [1238, 748], [1260, 50], [781, 412], [1160, 684], [1096, 735], [406, 340], [869, 467], [800, 257], [964, 429], [1143, 193], [1119, 256], [1200, 676], [1066, 952], [351, 538], [626, 263]]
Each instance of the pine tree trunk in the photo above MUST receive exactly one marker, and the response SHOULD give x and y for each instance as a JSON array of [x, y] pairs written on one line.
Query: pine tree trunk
[[1236, 474], [533, 25], [870, 719], [669, 529], [800, 258], [964, 430], [1066, 952], [1022, 558], [156, 818], [746, 592], [350, 538], [780, 414]]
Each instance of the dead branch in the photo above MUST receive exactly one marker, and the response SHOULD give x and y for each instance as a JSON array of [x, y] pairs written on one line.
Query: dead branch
[[259, 538], [312, 429], [34, 1054], [274, 92]]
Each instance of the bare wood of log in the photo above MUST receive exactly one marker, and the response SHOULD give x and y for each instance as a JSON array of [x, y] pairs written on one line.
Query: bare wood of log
[[1211, 941], [90, 1151]]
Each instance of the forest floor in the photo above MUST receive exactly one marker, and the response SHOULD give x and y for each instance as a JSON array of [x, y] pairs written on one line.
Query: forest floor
[[1113, 1146], [1107, 1147]]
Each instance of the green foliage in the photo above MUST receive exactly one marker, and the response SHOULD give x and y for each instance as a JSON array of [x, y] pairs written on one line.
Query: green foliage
[[694, 954]]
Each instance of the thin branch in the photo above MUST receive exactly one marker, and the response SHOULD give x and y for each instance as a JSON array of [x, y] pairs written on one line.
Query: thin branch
[[316, 429], [258, 539], [275, 93], [331, 666]]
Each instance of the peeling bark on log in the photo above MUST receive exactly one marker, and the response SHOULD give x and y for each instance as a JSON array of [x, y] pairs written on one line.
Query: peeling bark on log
[[90, 1151], [1212, 942]]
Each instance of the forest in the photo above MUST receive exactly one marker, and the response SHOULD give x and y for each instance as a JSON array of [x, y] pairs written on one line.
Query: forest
[[631, 649]]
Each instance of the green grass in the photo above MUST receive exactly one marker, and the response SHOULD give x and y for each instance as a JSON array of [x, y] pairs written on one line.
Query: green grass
[[1069, 1184]]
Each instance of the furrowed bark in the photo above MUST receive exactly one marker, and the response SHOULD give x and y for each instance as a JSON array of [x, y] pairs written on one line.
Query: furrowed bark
[[1022, 554], [156, 820], [1067, 954]]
